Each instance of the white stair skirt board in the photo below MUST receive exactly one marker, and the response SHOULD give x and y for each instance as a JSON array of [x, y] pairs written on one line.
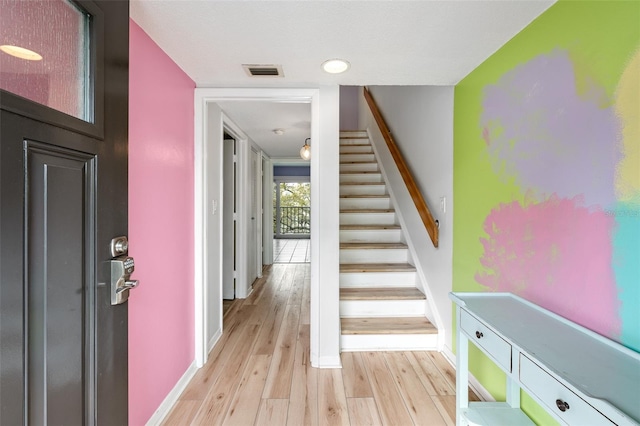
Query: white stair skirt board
[[360, 177], [363, 188], [382, 308], [367, 217], [374, 255], [358, 157], [359, 167], [377, 279], [347, 203], [388, 342], [370, 235], [356, 149]]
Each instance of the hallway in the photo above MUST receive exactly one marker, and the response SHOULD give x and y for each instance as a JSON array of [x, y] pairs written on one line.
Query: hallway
[[259, 372]]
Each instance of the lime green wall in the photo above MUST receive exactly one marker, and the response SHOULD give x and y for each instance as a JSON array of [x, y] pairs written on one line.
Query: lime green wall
[[601, 41]]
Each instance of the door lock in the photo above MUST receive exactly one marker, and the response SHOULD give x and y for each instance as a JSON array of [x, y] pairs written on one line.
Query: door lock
[[120, 269]]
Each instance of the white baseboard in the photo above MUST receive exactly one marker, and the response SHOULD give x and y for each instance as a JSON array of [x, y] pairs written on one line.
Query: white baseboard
[[214, 339], [173, 396], [329, 362], [474, 384]]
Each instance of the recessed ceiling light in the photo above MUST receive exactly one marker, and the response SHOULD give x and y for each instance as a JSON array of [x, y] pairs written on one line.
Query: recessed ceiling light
[[21, 52], [335, 66]]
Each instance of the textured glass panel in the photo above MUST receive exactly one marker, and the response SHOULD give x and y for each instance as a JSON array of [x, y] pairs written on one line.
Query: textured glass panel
[[44, 54]]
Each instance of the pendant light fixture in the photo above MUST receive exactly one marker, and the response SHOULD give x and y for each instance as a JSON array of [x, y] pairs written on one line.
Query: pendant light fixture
[[305, 151]]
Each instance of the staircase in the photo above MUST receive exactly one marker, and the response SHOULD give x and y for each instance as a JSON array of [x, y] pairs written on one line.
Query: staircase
[[380, 306]]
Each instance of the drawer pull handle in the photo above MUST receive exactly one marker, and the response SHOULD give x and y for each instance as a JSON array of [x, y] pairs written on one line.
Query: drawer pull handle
[[562, 405], [479, 334]]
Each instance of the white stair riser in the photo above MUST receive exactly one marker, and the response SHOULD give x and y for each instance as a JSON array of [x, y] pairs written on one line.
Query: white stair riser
[[363, 189], [377, 279], [370, 236], [359, 167], [357, 157], [388, 342], [368, 218], [364, 203], [356, 149], [360, 177], [373, 255], [381, 308]]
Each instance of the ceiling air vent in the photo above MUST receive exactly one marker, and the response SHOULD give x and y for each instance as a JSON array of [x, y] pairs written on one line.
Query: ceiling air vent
[[263, 70]]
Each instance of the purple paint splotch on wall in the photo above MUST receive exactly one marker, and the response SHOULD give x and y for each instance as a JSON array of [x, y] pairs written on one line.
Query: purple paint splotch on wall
[[556, 254], [552, 139]]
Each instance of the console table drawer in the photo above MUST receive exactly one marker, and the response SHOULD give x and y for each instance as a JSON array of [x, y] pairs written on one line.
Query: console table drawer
[[482, 336], [557, 397]]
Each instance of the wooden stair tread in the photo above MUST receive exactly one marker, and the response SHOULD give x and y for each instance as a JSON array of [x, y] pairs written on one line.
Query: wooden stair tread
[[359, 162], [371, 246], [376, 267], [360, 172], [368, 211], [365, 196], [354, 144], [362, 183], [384, 293], [368, 227], [386, 325]]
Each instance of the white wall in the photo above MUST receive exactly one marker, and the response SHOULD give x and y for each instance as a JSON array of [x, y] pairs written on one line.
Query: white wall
[[213, 224], [420, 119], [349, 98], [325, 225]]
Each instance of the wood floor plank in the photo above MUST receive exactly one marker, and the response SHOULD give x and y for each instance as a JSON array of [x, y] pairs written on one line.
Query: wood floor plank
[[218, 399], [354, 375], [305, 307], [303, 405], [332, 402], [182, 413], [417, 400], [272, 412], [446, 405], [444, 367], [363, 412], [428, 373], [268, 336], [295, 295], [233, 332], [246, 401], [390, 404], [278, 385]]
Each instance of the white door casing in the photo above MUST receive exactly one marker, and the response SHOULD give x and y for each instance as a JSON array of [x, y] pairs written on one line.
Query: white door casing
[[325, 325]]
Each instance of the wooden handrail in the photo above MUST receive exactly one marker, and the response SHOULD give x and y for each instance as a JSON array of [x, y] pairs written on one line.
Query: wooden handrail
[[421, 205]]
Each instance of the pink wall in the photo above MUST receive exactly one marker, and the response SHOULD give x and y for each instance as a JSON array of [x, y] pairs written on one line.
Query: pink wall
[[160, 224]]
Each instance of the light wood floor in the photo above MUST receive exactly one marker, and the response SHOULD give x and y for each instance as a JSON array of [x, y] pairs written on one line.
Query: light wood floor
[[259, 373]]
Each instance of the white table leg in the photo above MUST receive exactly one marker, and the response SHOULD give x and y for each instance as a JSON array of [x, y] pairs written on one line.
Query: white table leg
[[462, 372]]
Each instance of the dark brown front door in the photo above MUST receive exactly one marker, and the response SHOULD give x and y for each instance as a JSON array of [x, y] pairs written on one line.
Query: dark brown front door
[[63, 197]]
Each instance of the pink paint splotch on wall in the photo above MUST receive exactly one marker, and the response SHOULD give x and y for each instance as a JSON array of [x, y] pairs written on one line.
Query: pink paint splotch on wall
[[551, 138], [557, 254]]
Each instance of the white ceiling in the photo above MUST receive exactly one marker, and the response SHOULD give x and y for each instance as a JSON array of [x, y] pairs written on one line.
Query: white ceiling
[[390, 42], [259, 119]]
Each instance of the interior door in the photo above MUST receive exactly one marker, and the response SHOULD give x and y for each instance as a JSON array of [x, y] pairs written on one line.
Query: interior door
[[229, 219], [251, 245], [63, 197]]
